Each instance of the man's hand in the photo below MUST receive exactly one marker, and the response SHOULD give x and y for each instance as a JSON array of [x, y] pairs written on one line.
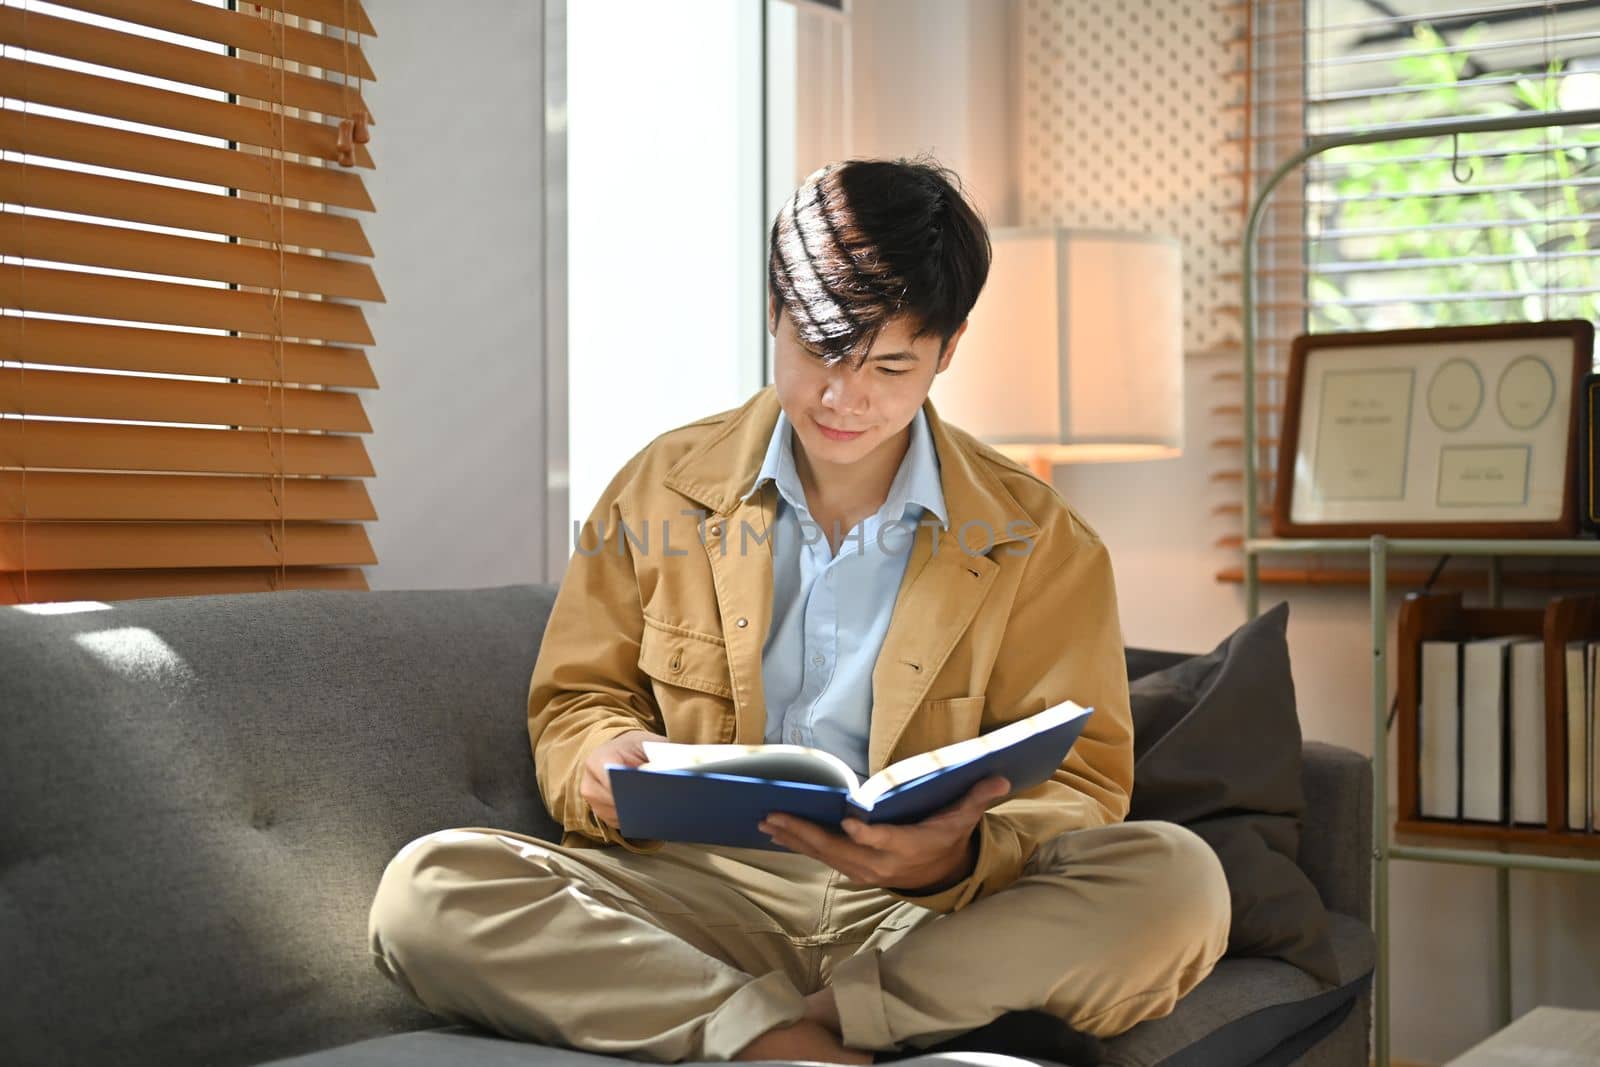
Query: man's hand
[[595, 787], [932, 854]]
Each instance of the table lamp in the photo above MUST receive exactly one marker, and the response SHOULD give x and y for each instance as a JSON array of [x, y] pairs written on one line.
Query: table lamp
[[1074, 351]]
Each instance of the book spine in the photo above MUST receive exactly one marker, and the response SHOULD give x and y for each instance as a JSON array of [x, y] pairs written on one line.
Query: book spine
[[1439, 730]]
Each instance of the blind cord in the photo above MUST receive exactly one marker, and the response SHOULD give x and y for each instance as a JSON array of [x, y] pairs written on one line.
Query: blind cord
[[282, 463], [22, 318], [275, 481]]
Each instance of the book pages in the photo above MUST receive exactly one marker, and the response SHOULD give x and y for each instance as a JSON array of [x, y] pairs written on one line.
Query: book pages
[[1439, 732], [1591, 764], [787, 763], [1529, 799], [913, 767], [1577, 738], [1485, 728]]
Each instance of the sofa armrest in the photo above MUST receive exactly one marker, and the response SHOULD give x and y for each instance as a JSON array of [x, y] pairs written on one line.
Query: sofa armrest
[[1336, 836]]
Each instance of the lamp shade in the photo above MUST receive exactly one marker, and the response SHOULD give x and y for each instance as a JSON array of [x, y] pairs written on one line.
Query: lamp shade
[[1074, 351]]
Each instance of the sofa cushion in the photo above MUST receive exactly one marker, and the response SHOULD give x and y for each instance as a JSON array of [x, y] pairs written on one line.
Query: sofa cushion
[[1247, 1007], [1217, 748], [201, 794]]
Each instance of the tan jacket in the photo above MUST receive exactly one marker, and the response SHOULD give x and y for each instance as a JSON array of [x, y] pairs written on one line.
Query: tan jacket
[[666, 633]]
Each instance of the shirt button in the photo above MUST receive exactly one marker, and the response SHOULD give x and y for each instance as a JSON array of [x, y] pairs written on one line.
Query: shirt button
[[794, 737], [818, 659]]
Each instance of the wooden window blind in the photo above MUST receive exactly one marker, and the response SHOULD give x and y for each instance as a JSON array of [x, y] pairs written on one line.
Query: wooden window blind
[[180, 324], [1424, 232]]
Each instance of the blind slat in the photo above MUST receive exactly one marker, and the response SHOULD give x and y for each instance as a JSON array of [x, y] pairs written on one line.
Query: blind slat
[[1553, 185], [39, 444], [73, 191], [1262, 441], [82, 344], [1476, 49], [83, 546], [1238, 510], [1238, 375], [70, 394], [1390, 266], [346, 14], [250, 33], [121, 248], [54, 495], [168, 109], [1540, 224], [143, 153], [132, 584], [1234, 310], [1393, 22], [1388, 92], [72, 39], [1330, 164], [63, 292]]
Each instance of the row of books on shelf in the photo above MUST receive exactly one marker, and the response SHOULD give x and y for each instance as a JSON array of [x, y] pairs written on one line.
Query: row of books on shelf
[[1483, 731]]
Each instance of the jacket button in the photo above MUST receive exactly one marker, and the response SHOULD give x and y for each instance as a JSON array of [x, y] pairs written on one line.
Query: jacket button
[[742, 622], [716, 531], [675, 664]]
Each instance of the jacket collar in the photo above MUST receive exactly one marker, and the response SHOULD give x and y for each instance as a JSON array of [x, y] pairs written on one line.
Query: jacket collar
[[916, 480], [717, 473]]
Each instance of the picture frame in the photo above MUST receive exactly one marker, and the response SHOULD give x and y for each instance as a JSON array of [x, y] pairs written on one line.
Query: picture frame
[[1453, 431]]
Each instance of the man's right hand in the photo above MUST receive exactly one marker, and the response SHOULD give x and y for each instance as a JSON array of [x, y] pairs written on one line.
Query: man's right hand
[[627, 749]]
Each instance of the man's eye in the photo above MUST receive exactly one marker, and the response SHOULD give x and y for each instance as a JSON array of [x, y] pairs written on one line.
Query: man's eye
[[892, 373]]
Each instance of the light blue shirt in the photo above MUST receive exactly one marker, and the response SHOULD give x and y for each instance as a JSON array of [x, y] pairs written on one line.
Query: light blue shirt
[[830, 613]]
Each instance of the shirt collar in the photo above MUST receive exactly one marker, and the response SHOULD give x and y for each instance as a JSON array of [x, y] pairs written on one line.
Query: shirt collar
[[916, 481]]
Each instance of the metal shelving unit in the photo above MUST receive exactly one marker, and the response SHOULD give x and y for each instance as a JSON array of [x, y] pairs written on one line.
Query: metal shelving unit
[[1379, 550]]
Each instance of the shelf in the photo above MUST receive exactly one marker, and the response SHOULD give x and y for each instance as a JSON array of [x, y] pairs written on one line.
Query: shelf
[[1553, 547], [1571, 843], [1403, 579], [1483, 857]]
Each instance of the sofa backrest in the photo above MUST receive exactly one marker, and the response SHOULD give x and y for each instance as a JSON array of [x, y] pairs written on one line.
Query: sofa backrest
[[201, 793]]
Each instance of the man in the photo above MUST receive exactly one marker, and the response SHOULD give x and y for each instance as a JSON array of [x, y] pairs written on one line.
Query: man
[[829, 564]]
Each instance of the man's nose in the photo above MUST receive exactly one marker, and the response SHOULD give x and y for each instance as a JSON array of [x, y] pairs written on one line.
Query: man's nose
[[845, 389]]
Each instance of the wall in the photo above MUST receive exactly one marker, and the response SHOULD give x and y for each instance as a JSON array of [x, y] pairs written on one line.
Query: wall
[[1126, 111], [929, 76], [457, 422]]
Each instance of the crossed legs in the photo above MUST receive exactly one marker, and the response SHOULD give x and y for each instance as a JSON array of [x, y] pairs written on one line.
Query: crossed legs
[[692, 955]]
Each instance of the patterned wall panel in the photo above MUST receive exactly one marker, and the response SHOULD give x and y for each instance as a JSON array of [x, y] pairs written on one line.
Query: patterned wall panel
[[1132, 120]]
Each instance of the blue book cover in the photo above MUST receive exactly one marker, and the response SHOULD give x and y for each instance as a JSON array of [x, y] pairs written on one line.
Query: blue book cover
[[717, 794]]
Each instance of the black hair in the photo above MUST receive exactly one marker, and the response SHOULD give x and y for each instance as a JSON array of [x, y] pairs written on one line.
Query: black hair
[[864, 241]]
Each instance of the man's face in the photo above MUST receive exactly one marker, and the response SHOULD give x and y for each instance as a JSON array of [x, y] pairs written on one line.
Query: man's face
[[876, 400]]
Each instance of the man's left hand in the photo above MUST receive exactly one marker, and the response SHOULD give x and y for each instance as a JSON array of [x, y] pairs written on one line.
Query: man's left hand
[[913, 857]]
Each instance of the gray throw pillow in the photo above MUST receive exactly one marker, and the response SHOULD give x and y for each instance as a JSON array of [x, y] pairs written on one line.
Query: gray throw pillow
[[1217, 749]]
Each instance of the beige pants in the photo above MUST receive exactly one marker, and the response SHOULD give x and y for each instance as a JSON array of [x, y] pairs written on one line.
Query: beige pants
[[691, 952]]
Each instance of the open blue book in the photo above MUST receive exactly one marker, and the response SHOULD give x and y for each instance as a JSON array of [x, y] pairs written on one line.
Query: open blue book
[[717, 794]]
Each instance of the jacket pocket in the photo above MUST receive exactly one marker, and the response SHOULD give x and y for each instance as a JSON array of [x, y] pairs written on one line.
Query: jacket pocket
[[690, 681], [679, 657], [950, 720]]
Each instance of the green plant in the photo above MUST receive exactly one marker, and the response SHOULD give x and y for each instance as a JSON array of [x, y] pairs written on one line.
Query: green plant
[[1407, 193]]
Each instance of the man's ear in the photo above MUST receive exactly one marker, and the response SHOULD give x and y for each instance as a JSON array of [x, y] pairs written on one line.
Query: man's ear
[[950, 348], [772, 313]]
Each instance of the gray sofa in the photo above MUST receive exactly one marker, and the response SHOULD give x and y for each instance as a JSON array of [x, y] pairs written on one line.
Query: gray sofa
[[200, 794]]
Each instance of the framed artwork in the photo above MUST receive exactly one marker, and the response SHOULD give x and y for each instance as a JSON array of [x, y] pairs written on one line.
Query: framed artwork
[[1457, 431]]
